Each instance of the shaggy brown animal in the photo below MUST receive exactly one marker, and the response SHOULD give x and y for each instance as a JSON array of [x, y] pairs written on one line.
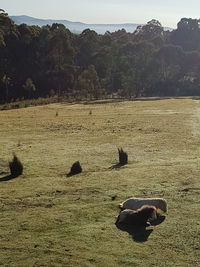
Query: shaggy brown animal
[[140, 217], [135, 203]]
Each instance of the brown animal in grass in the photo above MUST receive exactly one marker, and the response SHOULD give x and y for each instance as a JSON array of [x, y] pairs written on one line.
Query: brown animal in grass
[[135, 203], [140, 217]]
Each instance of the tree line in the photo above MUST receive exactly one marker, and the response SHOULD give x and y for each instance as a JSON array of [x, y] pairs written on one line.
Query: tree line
[[50, 60]]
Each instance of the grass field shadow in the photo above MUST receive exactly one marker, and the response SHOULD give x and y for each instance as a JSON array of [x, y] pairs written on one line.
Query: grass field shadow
[[138, 234], [116, 166], [7, 178], [70, 174], [160, 219]]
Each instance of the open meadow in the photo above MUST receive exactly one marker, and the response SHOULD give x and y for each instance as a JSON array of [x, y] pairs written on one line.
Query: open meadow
[[49, 219]]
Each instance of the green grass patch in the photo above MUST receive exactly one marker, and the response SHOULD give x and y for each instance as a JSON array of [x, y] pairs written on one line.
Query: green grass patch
[[49, 219]]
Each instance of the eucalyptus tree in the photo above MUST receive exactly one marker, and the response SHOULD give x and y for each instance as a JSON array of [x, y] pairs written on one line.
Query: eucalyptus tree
[[88, 84], [164, 70], [134, 60], [6, 81], [60, 58], [87, 46], [187, 34], [150, 31]]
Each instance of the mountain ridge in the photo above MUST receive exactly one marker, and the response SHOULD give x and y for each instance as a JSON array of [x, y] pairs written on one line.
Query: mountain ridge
[[77, 27]]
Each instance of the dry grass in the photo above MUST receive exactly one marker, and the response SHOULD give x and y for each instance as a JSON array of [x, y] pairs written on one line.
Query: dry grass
[[48, 219]]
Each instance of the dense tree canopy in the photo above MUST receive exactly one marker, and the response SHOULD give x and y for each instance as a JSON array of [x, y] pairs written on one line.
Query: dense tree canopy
[[41, 61]]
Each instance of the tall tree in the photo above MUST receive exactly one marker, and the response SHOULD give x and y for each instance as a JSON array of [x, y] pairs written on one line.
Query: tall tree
[[187, 34], [87, 43], [150, 31], [60, 58], [134, 59], [88, 84]]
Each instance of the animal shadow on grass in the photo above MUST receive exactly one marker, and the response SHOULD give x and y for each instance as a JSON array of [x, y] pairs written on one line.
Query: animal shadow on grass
[[8, 177], [159, 220], [116, 166], [139, 234], [123, 159], [70, 174]]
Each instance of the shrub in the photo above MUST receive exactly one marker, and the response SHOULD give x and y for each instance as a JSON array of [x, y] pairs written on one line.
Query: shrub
[[16, 167]]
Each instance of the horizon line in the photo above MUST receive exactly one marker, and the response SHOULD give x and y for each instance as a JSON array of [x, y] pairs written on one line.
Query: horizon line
[[125, 23]]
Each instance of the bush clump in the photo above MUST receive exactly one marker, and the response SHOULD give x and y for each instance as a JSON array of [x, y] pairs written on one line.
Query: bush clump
[[16, 167]]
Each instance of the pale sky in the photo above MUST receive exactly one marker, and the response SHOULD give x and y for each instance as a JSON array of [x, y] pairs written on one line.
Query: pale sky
[[168, 12]]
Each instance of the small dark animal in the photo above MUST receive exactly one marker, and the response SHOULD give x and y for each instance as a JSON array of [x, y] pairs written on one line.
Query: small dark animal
[[75, 169], [140, 217], [16, 167], [123, 157]]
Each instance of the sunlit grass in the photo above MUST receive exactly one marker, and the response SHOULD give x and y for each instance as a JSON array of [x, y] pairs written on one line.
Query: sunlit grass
[[48, 219]]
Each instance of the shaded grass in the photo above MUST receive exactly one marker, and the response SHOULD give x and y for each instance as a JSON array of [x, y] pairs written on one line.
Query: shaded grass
[[50, 220], [29, 102]]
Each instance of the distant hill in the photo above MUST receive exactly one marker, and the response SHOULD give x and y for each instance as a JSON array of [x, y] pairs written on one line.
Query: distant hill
[[77, 27]]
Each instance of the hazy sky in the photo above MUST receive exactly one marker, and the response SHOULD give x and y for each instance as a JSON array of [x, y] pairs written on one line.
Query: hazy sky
[[168, 12]]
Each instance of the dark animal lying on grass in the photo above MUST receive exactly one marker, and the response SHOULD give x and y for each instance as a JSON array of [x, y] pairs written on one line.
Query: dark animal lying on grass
[[16, 167], [75, 169], [135, 203], [140, 217]]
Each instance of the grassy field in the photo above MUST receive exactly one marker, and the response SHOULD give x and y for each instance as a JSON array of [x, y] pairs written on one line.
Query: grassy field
[[48, 219]]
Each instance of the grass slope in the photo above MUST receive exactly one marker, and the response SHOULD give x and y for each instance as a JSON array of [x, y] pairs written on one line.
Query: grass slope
[[50, 220]]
